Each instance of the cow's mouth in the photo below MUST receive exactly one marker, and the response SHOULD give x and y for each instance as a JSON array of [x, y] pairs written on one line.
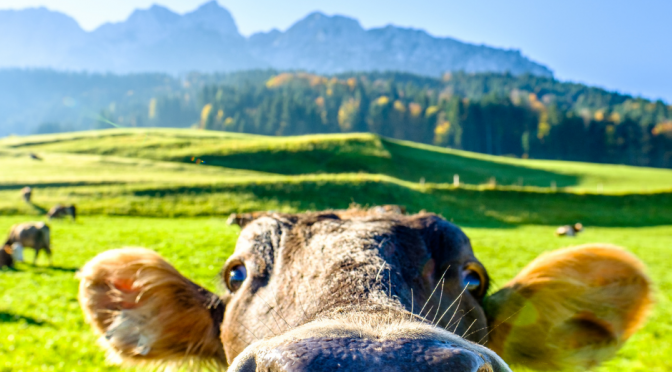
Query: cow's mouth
[[334, 346]]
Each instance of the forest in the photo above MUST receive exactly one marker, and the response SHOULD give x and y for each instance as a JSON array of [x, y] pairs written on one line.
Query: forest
[[521, 116]]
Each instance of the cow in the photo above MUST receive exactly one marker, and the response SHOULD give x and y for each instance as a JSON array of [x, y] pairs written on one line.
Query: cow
[[60, 211], [569, 230], [340, 291], [26, 194], [34, 235]]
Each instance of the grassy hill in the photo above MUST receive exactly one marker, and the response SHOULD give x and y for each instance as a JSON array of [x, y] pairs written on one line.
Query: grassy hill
[[127, 183], [346, 153], [162, 172]]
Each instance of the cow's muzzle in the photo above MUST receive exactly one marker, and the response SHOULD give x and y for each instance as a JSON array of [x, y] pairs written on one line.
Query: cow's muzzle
[[337, 347]]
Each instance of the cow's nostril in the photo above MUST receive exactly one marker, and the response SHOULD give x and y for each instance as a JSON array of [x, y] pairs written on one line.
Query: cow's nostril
[[245, 363]]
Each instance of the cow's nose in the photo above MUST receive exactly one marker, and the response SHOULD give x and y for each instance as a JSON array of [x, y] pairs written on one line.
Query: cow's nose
[[348, 354]]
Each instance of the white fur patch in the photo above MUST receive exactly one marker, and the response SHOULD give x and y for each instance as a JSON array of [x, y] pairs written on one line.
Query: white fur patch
[[17, 252], [126, 332]]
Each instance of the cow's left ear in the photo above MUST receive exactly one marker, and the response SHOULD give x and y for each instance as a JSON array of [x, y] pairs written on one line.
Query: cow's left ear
[[146, 312], [570, 309]]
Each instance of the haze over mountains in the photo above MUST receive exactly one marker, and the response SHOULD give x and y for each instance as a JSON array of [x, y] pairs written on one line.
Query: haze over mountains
[[207, 40]]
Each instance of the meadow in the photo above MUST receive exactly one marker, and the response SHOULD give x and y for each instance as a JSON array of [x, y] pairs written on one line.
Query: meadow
[[172, 190]]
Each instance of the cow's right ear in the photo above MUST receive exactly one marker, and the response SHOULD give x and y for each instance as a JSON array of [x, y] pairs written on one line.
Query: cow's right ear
[[570, 309], [146, 312]]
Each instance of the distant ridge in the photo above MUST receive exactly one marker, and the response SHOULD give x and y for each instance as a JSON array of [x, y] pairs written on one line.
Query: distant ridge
[[207, 40]]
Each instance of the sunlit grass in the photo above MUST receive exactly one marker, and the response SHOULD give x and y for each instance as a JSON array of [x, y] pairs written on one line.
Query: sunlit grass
[[42, 327], [149, 178]]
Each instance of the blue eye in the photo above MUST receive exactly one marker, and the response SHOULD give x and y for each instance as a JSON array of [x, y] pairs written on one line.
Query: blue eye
[[236, 277], [472, 280]]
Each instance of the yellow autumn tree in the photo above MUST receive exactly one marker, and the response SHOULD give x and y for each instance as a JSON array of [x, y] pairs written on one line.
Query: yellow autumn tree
[[441, 133], [205, 116], [347, 114]]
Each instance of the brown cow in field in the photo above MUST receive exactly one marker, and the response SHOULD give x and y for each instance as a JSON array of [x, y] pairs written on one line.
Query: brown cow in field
[[26, 194], [343, 291], [34, 235], [60, 211]]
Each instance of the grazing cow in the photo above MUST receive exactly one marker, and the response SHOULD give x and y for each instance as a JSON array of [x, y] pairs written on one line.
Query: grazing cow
[[569, 230], [34, 235], [26, 194], [60, 211], [337, 291]]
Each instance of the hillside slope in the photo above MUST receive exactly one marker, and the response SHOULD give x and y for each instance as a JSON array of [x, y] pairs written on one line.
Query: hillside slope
[[162, 173], [348, 153]]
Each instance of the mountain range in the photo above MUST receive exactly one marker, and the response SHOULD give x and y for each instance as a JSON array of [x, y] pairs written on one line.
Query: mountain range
[[207, 40]]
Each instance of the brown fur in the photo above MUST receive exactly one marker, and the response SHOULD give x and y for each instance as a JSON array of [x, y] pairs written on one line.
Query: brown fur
[[34, 235], [366, 276], [242, 219]]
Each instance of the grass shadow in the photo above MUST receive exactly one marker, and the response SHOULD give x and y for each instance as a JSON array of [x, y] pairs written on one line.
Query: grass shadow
[[8, 186], [7, 317], [374, 155], [498, 208], [37, 208], [60, 269]]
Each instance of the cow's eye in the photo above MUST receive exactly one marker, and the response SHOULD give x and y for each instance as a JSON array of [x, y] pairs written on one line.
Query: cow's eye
[[235, 277], [474, 281]]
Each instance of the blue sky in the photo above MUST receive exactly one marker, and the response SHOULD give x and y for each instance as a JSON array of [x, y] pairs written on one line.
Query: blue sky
[[615, 44]]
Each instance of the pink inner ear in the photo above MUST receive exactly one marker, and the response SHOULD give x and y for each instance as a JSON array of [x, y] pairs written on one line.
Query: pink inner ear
[[123, 284], [129, 293]]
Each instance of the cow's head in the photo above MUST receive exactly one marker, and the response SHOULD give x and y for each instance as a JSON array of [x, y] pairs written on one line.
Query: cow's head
[[343, 291]]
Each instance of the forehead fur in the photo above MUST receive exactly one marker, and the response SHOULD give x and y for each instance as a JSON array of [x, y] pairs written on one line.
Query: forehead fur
[[268, 229], [356, 253]]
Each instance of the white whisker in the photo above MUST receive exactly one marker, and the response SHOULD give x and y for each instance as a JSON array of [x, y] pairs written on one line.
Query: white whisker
[[449, 307], [443, 283], [472, 324], [435, 287]]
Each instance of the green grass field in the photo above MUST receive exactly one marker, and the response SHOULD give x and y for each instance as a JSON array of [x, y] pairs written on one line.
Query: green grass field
[[142, 188]]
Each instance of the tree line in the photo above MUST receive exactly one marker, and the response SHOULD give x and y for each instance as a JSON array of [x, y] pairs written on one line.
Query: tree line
[[501, 114], [521, 116]]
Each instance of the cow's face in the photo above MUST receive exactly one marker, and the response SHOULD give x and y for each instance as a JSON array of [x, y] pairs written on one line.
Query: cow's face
[[365, 292], [389, 292]]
